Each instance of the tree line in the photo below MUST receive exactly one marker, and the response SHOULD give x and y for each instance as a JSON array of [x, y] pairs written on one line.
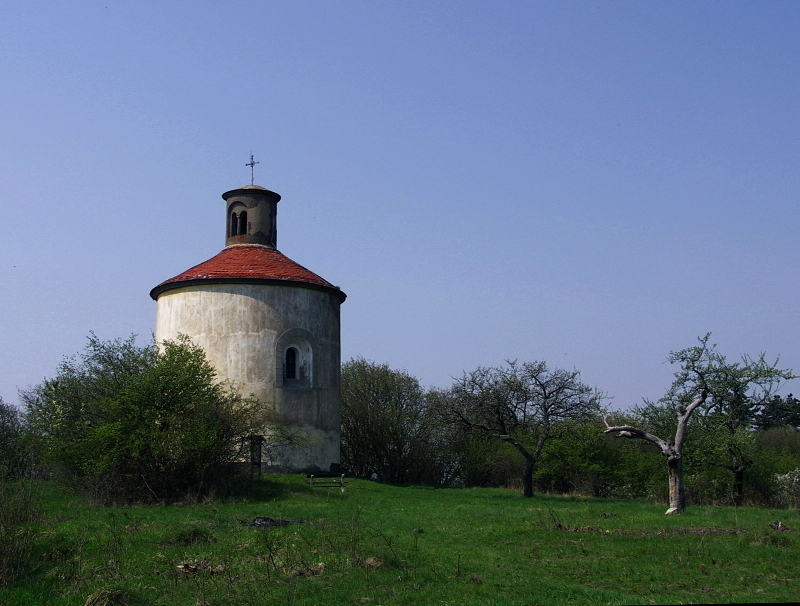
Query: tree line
[[723, 434], [126, 423]]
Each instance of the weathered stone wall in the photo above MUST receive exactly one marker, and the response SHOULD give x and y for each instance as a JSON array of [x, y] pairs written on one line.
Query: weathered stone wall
[[245, 330]]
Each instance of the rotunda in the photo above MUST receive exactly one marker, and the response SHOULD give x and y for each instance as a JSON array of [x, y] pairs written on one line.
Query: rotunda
[[268, 325]]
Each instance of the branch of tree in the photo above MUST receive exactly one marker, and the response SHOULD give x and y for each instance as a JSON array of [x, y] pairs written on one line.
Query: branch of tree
[[628, 431]]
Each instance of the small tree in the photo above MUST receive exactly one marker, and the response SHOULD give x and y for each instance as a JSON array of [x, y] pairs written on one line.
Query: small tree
[[126, 422], [386, 430], [738, 393], [525, 405], [466, 458], [726, 394]]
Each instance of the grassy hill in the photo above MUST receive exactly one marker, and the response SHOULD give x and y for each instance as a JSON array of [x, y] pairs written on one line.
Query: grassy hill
[[389, 545]]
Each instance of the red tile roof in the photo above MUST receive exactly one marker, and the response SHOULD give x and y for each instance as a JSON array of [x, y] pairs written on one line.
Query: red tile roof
[[248, 263]]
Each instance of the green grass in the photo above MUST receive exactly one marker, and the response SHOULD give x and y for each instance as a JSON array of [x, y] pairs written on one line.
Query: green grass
[[389, 545]]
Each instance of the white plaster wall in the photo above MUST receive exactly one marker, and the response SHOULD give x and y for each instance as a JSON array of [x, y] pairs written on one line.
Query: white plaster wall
[[239, 325]]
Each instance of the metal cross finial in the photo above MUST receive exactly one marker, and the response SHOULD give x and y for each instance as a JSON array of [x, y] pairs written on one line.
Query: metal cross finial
[[252, 164]]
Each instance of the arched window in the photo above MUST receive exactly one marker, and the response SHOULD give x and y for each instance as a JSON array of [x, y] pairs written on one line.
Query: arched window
[[294, 355], [243, 223], [233, 224], [290, 371]]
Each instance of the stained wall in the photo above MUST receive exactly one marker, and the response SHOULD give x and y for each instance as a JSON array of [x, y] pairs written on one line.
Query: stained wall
[[245, 330]]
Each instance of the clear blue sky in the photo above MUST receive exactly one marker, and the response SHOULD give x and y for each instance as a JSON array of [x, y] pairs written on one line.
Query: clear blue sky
[[593, 184]]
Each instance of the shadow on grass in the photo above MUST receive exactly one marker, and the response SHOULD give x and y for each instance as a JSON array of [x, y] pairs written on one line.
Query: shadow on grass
[[275, 487]]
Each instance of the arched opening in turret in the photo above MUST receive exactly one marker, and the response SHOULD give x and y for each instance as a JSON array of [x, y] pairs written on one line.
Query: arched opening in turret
[[232, 225], [243, 223]]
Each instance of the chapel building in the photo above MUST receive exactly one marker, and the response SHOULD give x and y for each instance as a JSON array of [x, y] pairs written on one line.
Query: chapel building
[[268, 325]]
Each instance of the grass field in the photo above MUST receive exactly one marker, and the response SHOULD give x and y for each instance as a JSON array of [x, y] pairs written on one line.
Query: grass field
[[390, 545]]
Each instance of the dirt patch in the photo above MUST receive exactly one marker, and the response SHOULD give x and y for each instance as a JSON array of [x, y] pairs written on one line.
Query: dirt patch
[[267, 522]]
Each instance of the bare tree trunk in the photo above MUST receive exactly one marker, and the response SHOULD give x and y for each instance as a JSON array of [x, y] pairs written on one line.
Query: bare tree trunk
[[672, 450], [530, 462], [677, 493], [527, 477]]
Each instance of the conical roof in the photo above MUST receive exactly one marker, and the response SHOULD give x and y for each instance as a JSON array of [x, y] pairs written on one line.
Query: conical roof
[[249, 264]]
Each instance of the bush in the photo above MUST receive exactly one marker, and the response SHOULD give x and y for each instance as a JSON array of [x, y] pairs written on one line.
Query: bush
[[387, 431], [787, 488], [126, 423], [13, 451], [588, 462], [18, 502]]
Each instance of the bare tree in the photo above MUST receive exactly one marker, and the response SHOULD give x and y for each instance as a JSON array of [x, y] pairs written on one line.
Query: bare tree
[[524, 405], [672, 449], [726, 394]]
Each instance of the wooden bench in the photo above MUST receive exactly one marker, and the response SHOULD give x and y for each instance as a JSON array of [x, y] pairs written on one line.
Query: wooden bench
[[326, 480]]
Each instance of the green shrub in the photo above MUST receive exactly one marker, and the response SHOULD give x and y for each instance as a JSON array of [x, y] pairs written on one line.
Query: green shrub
[[787, 488], [13, 447], [126, 423], [387, 431], [18, 506]]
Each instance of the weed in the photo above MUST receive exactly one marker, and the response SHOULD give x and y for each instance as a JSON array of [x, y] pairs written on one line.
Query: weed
[[112, 597], [771, 538], [190, 536], [19, 510]]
